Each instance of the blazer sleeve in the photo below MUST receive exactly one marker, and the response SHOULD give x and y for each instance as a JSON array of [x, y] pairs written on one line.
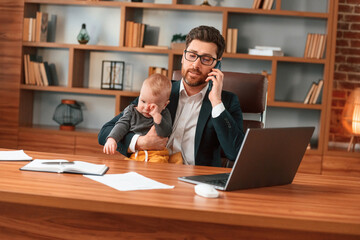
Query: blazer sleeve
[[229, 126], [123, 144]]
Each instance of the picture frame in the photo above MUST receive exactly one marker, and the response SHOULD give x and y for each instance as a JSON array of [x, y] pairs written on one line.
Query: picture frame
[[112, 75]]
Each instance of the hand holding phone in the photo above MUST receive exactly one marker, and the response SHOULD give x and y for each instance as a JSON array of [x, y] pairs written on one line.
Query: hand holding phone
[[216, 77]]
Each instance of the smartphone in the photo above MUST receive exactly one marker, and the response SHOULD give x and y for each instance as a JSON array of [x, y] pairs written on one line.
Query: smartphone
[[218, 65]]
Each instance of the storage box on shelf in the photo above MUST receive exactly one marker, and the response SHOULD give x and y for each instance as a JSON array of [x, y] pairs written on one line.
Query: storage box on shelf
[[254, 27]]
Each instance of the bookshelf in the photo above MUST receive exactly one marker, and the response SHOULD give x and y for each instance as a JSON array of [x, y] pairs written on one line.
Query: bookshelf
[[291, 75]]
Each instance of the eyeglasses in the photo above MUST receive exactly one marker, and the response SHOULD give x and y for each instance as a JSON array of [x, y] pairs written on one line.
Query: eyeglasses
[[204, 59]]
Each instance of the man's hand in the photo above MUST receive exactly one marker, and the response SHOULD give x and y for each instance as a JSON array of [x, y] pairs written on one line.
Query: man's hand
[[110, 146], [217, 78], [151, 141]]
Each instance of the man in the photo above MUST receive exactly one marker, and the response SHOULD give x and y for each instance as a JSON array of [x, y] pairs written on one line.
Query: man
[[205, 118]]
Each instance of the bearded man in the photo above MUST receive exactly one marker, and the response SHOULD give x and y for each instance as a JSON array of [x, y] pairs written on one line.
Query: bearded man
[[205, 118]]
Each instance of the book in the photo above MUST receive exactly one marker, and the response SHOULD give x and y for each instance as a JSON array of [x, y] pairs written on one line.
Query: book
[[268, 48], [265, 52], [48, 74], [64, 166], [307, 45], [315, 45], [26, 29], [317, 91], [234, 40], [160, 70], [313, 94], [309, 93], [44, 27], [322, 46], [26, 69], [229, 40], [43, 74]]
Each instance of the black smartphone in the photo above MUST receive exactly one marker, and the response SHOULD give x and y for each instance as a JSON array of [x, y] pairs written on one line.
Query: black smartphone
[[218, 65]]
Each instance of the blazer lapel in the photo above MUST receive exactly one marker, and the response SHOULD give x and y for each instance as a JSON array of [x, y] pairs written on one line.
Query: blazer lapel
[[174, 99], [204, 115]]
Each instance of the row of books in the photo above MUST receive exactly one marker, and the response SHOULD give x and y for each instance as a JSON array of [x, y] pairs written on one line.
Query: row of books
[[231, 40], [134, 34], [266, 51], [263, 4], [153, 70], [315, 45], [37, 72], [36, 29], [314, 92]]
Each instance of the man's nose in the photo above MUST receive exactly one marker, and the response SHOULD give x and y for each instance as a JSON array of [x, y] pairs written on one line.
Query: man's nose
[[197, 63]]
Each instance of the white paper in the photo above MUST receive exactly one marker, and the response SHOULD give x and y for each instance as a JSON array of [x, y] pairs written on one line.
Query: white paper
[[129, 181], [17, 155]]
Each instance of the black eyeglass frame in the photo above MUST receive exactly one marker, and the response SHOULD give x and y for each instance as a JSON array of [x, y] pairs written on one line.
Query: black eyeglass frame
[[200, 56]]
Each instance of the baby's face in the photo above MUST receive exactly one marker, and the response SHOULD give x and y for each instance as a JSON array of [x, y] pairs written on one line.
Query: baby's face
[[146, 99]]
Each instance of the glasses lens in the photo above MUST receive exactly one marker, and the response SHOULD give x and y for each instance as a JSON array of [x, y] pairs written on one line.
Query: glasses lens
[[206, 60], [190, 56]]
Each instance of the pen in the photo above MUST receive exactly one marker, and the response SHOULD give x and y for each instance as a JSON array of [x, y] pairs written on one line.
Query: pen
[[59, 163]]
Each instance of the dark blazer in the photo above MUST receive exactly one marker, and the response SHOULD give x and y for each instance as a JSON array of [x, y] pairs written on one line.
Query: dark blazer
[[212, 134]]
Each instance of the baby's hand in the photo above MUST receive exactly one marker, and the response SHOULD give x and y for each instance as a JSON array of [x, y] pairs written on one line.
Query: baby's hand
[[110, 146], [154, 109], [155, 113]]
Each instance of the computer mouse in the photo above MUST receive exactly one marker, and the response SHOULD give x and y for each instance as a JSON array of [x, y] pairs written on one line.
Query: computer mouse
[[206, 190]]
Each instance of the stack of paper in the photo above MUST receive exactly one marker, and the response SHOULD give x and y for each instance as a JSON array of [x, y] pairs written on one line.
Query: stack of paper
[[17, 155], [266, 51]]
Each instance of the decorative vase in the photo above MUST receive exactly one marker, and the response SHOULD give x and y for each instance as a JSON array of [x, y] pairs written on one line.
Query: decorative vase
[[83, 36], [68, 114]]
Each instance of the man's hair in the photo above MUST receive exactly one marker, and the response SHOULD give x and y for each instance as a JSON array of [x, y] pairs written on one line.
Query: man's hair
[[207, 34], [159, 84]]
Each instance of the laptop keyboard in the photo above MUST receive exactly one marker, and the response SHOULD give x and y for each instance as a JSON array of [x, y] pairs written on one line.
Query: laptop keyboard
[[221, 182]]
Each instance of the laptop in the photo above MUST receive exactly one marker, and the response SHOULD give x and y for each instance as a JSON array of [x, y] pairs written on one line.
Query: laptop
[[267, 157]]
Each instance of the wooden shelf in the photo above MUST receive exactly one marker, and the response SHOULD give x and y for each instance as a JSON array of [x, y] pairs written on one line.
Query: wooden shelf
[[92, 91], [85, 132], [167, 51], [295, 105], [182, 7]]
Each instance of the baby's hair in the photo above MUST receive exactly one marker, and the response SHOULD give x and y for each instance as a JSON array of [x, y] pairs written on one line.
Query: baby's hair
[[159, 85]]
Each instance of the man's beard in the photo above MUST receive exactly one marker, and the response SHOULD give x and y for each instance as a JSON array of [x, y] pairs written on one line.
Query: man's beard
[[193, 82]]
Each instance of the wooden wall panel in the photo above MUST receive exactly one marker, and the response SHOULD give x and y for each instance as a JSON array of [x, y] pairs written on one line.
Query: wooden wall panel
[[89, 146], [11, 18], [45, 142]]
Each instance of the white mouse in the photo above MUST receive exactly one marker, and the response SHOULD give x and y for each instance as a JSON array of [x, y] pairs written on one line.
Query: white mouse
[[206, 190]]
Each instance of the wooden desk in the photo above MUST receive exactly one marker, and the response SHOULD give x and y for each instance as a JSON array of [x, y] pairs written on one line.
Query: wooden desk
[[37, 205]]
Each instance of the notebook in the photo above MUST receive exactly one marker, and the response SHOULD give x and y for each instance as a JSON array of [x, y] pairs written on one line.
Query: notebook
[[267, 157]]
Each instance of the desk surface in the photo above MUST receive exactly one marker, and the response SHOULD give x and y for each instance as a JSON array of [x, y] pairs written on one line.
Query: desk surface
[[312, 203]]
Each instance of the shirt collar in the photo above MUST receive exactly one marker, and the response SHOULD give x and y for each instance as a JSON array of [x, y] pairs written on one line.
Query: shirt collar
[[183, 91]]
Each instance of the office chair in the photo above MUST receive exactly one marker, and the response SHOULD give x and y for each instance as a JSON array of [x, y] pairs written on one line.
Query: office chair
[[251, 90]]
